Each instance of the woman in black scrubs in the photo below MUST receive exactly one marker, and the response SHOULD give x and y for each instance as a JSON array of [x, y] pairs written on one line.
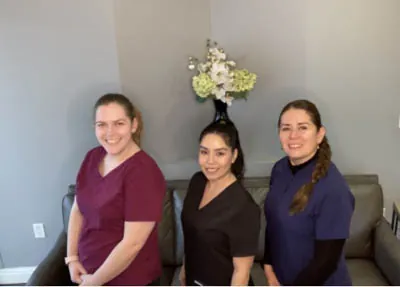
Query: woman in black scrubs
[[221, 221]]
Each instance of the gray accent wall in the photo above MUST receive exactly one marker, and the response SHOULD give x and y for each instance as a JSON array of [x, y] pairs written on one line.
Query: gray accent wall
[[56, 58]]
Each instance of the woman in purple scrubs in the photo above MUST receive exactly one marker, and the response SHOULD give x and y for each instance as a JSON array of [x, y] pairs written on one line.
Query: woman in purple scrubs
[[309, 206], [112, 233]]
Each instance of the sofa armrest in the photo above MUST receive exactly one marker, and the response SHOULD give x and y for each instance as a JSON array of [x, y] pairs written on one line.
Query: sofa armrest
[[52, 270], [387, 252]]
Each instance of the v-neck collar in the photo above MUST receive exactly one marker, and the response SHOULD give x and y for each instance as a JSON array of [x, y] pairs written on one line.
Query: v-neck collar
[[216, 198], [115, 169]]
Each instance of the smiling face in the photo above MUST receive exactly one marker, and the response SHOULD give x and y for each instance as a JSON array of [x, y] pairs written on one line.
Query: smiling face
[[299, 136], [114, 128], [215, 157]]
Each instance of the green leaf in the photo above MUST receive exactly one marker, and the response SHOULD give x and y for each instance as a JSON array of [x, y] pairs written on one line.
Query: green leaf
[[200, 99], [240, 95]]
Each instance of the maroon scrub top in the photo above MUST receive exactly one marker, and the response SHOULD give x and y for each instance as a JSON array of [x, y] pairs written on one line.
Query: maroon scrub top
[[133, 191]]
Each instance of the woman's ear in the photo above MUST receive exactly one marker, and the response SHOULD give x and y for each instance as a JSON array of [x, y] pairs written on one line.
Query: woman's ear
[[321, 134], [235, 155], [134, 125]]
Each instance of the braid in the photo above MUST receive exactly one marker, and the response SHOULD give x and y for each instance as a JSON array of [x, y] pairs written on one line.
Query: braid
[[302, 196]]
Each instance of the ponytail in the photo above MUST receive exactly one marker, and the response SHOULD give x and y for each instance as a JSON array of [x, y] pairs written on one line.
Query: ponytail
[[136, 136], [302, 196]]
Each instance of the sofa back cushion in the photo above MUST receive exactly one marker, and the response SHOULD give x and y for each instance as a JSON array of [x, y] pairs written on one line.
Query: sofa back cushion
[[179, 188], [258, 188], [166, 232], [67, 202], [368, 212]]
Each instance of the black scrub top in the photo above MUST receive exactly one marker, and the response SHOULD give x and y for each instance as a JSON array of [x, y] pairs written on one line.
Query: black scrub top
[[226, 227]]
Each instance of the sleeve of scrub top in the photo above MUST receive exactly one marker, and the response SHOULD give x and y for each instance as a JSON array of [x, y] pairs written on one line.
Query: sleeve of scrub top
[[334, 215], [267, 256], [324, 262], [143, 194], [244, 232]]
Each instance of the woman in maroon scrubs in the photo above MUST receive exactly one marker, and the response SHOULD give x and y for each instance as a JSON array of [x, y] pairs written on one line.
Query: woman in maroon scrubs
[[112, 233]]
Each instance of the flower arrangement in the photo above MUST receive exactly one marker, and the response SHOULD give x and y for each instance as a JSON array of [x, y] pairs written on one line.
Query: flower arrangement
[[218, 78]]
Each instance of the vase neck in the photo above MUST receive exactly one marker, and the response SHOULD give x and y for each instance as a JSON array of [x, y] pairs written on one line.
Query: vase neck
[[221, 111]]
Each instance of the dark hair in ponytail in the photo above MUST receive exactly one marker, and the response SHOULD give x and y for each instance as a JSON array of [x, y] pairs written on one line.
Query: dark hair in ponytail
[[230, 134], [129, 108], [324, 155]]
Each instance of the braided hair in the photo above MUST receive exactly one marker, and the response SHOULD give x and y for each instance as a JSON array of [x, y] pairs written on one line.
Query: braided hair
[[324, 155]]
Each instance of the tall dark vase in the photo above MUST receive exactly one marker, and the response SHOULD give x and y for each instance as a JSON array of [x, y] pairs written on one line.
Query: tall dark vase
[[221, 111]]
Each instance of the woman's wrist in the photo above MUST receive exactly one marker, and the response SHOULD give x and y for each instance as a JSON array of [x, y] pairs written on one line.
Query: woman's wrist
[[71, 258]]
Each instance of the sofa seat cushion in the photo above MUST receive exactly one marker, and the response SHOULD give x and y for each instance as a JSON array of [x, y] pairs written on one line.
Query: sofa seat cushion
[[364, 272]]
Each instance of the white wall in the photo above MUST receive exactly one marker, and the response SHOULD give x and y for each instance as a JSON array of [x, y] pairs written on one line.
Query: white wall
[[56, 58]]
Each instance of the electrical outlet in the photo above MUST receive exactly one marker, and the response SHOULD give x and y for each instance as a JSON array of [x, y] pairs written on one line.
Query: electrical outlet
[[38, 230]]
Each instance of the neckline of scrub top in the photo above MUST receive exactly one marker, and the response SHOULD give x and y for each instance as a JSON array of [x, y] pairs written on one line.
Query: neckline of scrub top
[[216, 197], [296, 168], [118, 167]]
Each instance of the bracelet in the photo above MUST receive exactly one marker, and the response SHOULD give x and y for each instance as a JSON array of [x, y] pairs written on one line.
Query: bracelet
[[70, 259]]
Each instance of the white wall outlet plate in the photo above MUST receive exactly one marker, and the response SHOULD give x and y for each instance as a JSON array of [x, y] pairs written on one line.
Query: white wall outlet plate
[[38, 230]]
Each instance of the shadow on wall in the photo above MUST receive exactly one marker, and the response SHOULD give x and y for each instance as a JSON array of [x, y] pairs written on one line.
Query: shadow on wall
[[172, 126]]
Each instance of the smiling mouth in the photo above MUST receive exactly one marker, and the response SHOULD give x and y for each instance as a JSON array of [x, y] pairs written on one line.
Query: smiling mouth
[[112, 141], [211, 170], [294, 146]]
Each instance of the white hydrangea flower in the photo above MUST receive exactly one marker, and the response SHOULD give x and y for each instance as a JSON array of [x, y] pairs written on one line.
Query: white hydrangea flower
[[219, 93], [217, 54]]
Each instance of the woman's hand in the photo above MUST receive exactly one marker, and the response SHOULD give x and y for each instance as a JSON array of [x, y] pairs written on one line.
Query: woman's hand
[[273, 280], [76, 270], [182, 276], [88, 280], [271, 276]]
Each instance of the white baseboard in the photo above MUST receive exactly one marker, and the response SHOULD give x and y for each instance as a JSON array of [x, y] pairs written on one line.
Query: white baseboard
[[17, 275]]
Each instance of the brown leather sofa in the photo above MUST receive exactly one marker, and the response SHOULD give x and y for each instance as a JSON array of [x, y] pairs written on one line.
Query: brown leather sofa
[[372, 252]]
